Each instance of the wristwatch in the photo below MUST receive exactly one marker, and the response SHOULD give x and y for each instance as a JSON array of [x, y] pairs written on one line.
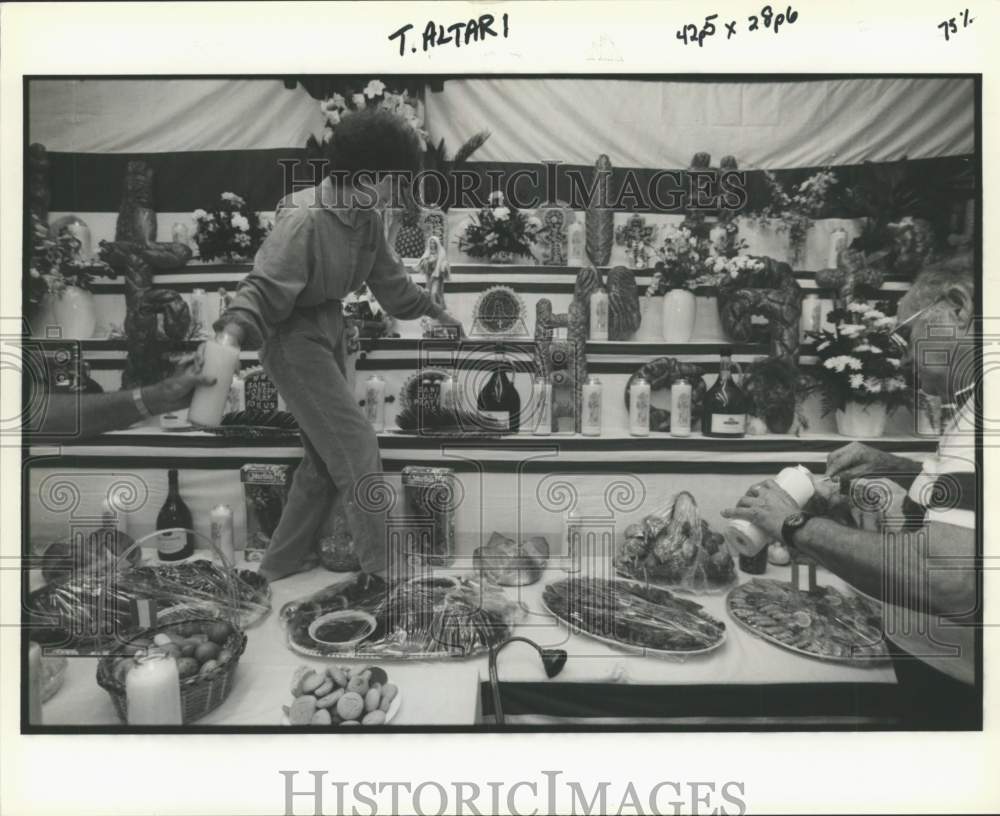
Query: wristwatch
[[793, 523]]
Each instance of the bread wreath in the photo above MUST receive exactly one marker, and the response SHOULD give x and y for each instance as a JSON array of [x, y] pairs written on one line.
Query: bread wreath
[[661, 374], [771, 292]]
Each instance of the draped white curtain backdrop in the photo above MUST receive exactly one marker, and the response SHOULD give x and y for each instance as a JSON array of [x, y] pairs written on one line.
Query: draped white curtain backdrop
[[651, 124], [169, 115]]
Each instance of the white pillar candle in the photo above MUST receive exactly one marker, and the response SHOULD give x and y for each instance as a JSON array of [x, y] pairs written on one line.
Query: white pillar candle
[[222, 533], [748, 539], [222, 356], [638, 410], [153, 691]]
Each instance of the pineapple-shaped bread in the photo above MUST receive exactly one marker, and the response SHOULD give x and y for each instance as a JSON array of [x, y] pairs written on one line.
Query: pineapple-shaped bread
[[410, 241]]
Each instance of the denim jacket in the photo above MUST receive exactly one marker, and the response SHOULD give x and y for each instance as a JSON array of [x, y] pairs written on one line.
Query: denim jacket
[[318, 253]]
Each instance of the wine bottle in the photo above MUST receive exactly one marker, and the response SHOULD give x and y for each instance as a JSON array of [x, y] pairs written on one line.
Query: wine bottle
[[499, 399], [173, 544], [724, 413]]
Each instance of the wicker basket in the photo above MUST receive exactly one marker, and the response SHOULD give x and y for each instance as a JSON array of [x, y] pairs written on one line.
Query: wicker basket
[[200, 694]]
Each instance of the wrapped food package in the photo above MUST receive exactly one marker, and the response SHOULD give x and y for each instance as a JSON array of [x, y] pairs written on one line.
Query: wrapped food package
[[429, 496], [676, 548], [96, 609], [265, 491], [421, 618], [506, 562]]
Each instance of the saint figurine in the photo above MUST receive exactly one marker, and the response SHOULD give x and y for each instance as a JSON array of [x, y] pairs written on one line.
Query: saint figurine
[[436, 270]]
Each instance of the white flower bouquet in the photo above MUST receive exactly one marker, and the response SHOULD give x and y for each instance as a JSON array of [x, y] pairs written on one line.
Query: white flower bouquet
[[500, 231], [859, 360], [230, 231]]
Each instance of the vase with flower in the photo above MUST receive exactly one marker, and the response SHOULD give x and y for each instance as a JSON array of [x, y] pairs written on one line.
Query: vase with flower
[[861, 374], [59, 280]]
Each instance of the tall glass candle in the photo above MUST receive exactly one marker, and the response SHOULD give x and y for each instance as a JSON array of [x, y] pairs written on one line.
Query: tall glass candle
[[748, 539], [680, 408], [639, 396], [541, 396], [592, 421], [375, 402], [810, 319], [222, 357], [153, 691], [838, 241], [199, 313], [447, 393], [576, 241], [599, 315]]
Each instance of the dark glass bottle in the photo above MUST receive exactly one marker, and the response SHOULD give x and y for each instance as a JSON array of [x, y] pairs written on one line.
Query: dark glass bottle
[[174, 545], [499, 399], [754, 564], [724, 413]]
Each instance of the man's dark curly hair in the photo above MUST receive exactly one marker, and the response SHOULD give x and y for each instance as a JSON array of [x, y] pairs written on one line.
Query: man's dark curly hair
[[374, 140]]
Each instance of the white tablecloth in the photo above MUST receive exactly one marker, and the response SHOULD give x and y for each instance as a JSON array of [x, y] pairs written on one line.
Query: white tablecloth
[[446, 692]]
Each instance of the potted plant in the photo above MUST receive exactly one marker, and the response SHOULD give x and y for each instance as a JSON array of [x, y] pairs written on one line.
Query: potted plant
[[58, 284], [861, 373], [775, 388], [795, 212], [230, 231], [500, 233]]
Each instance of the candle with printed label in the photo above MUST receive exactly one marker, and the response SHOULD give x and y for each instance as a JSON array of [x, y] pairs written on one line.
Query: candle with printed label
[[375, 402], [591, 404], [680, 408], [639, 395], [599, 315]]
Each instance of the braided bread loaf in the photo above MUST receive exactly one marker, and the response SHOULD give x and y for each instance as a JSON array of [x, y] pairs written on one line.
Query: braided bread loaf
[[771, 292]]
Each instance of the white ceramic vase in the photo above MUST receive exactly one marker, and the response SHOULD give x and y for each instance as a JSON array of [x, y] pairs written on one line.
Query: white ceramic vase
[[707, 324], [862, 421], [678, 316], [72, 311], [651, 319]]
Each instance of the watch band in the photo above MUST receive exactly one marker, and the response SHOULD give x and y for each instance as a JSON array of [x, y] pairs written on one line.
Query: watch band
[[140, 403], [792, 524]]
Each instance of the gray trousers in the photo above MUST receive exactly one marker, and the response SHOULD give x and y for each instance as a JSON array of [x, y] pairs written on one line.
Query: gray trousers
[[306, 360]]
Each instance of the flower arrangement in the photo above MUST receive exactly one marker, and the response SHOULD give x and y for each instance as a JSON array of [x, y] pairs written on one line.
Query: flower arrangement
[[692, 260], [56, 264], [500, 232], [375, 94], [860, 359], [795, 212], [637, 238], [230, 230]]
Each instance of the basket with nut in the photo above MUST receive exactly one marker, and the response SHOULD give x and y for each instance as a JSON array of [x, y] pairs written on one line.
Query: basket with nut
[[341, 696]]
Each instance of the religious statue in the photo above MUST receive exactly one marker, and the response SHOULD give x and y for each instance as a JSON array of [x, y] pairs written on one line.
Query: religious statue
[[436, 271]]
